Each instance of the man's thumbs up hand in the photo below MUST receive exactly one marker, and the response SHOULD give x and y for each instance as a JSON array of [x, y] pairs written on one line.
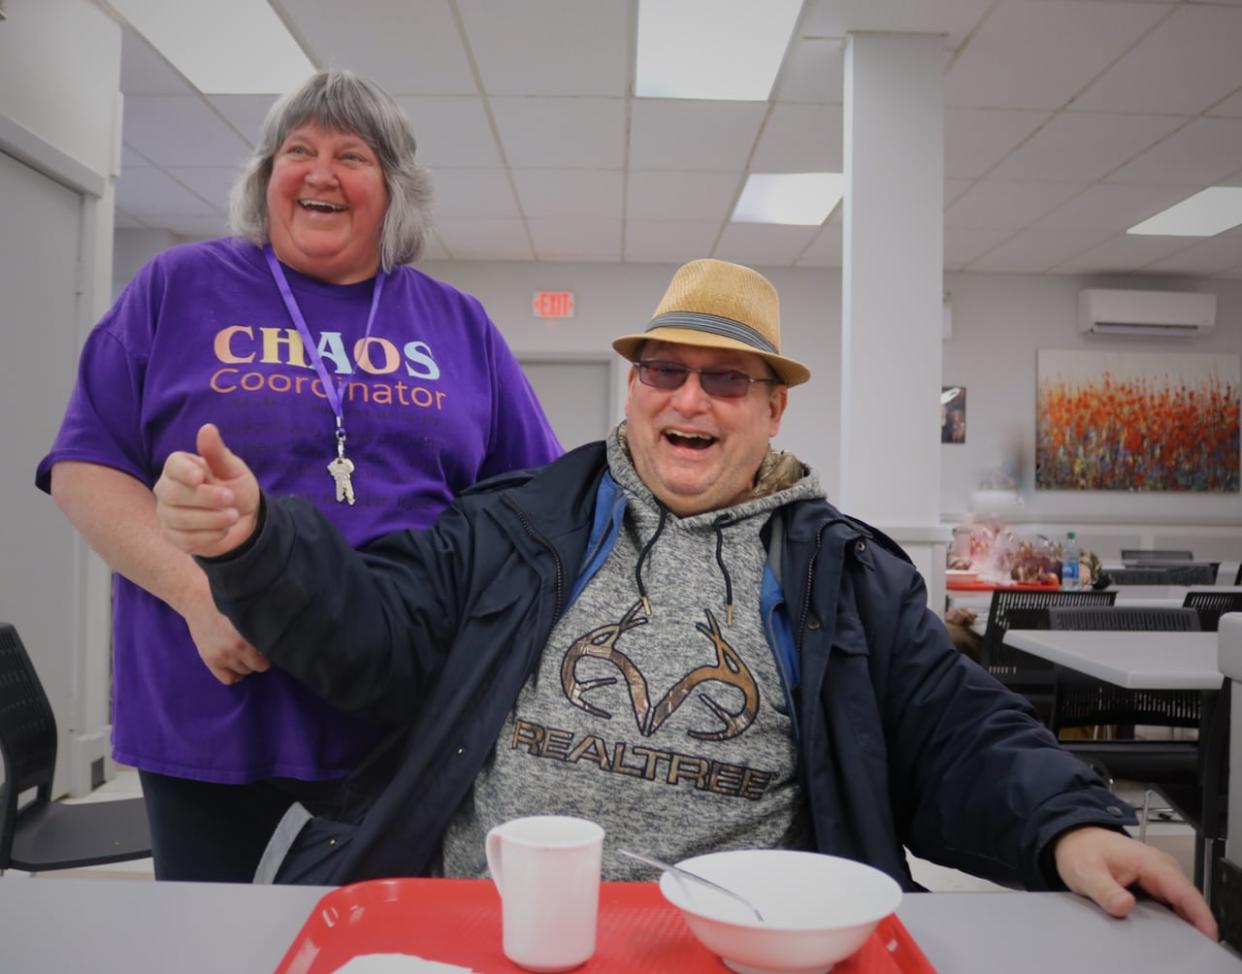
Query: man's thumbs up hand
[[207, 502]]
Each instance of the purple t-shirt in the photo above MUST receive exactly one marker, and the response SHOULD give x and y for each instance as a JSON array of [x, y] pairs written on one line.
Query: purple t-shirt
[[433, 401]]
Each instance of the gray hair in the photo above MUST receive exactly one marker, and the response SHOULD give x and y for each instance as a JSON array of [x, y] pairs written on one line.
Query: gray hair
[[343, 102]]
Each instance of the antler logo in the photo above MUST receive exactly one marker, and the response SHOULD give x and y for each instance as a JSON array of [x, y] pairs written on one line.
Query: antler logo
[[729, 669]]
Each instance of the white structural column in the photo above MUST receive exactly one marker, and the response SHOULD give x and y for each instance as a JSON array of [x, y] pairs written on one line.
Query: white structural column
[[892, 287]]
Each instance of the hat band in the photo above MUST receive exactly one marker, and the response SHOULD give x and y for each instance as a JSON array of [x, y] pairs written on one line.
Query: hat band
[[714, 325]]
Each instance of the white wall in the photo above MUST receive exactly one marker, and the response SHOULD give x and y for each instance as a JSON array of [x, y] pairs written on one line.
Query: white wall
[[60, 67], [618, 299], [60, 71], [1000, 321]]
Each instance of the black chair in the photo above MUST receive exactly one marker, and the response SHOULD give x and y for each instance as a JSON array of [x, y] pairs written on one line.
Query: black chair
[[1083, 701], [1018, 609], [1154, 554], [41, 834], [1211, 606], [1169, 573], [1140, 576]]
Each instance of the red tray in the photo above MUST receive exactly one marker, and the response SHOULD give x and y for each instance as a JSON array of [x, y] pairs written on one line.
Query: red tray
[[457, 921], [992, 587]]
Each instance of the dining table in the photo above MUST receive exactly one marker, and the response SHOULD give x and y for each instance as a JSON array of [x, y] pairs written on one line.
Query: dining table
[[82, 925], [1153, 661]]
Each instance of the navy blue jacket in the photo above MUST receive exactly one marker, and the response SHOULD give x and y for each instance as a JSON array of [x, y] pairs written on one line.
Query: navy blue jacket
[[901, 740]]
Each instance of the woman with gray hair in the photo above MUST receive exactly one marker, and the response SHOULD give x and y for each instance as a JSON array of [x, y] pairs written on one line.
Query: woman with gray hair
[[361, 383]]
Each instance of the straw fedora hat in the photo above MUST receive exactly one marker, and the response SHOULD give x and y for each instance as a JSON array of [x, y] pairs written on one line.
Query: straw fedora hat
[[715, 304]]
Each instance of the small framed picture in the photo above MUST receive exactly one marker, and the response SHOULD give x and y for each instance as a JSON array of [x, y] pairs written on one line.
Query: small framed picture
[[953, 414]]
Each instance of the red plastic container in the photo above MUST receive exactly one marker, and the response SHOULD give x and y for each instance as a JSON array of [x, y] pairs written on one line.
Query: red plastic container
[[457, 921]]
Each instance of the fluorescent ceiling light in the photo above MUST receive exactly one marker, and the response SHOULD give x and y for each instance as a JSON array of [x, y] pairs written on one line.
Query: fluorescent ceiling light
[[1205, 214], [224, 47], [718, 49], [802, 199]]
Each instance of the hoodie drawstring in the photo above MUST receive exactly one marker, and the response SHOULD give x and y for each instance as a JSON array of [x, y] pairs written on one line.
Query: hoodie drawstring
[[719, 524], [642, 556]]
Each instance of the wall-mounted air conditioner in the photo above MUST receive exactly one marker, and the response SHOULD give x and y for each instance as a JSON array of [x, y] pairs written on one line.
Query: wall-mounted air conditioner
[[1146, 314]]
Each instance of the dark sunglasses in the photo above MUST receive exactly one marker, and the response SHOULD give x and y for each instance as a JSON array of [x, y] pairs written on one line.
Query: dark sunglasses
[[720, 383]]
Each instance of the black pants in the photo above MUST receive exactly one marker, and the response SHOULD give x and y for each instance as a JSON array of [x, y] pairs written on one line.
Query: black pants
[[205, 832]]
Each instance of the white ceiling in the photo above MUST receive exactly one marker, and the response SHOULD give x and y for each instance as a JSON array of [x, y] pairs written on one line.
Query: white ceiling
[[1066, 122]]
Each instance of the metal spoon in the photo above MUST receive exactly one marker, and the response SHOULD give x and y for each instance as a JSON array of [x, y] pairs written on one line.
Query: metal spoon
[[677, 870]]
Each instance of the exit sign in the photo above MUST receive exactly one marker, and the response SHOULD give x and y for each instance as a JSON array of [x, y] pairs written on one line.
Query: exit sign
[[553, 304]]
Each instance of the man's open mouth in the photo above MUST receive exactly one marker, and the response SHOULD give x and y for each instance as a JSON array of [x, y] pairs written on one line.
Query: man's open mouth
[[690, 441]]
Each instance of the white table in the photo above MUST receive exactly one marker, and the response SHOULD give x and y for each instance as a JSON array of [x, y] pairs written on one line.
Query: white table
[[1136, 660], [54, 925], [1148, 661]]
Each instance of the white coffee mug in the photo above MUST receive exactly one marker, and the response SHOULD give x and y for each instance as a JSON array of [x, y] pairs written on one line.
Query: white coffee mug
[[547, 871]]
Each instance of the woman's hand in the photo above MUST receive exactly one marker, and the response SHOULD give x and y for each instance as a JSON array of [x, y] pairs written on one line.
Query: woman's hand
[[207, 502], [222, 648]]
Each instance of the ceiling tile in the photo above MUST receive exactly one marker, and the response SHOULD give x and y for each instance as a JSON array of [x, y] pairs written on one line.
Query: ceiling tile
[[814, 72], [1108, 207], [245, 113], [953, 190], [200, 227], [132, 157], [485, 239], [1204, 152], [1121, 253], [953, 18], [409, 48], [1039, 55], [1035, 251], [473, 193], [549, 47], [569, 193], [576, 239], [704, 196], [826, 250], [977, 139], [1231, 107], [123, 221], [1214, 255], [996, 203], [452, 131], [180, 130], [1075, 146], [801, 138], [145, 72], [1183, 66], [759, 244], [433, 249], [148, 193], [562, 133], [668, 241], [964, 244], [213, 184], [714, 136]]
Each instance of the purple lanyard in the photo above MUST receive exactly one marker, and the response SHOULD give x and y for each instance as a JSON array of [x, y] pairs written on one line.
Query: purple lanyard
[[331, 389]]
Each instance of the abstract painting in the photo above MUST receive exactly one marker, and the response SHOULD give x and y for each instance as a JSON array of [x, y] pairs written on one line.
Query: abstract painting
[[1137, 421]]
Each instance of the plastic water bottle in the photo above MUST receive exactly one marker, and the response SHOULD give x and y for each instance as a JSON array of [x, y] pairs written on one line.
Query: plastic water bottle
[[1069, 564]]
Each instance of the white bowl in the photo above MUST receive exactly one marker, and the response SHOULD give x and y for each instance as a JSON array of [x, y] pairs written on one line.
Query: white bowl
[[816, 909]]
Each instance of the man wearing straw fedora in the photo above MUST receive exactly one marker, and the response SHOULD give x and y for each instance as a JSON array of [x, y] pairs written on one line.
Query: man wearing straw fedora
[[672, 633]]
